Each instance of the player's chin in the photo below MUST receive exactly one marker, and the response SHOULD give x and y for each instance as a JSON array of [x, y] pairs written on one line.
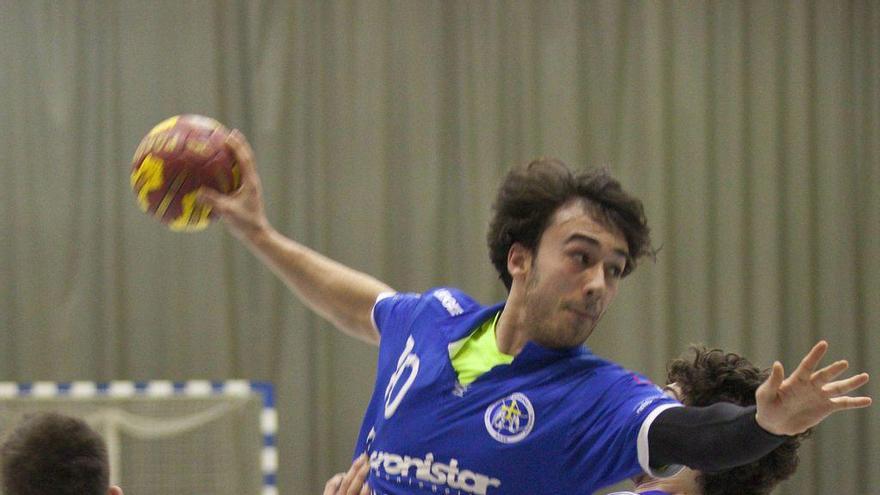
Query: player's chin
[[575, 335], [585, 330], [584, 318], [583, 324]]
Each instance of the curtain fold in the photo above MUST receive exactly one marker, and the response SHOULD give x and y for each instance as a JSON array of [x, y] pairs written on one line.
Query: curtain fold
[[750, 129]]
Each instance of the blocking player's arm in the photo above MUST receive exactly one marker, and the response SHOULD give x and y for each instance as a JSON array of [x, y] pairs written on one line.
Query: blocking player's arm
[[724, 435], [342, 295], [720, 436]]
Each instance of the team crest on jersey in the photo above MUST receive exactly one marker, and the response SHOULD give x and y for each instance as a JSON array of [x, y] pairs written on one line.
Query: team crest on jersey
[[510, 419]]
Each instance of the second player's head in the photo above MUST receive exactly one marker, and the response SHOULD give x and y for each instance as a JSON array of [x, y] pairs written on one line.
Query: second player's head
[[712, 376]]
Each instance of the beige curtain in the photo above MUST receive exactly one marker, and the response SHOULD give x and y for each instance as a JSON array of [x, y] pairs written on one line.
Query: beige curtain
[[751, 130]]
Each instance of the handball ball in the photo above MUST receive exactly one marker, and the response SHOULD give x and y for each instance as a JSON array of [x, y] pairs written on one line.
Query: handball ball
[[175, 159]]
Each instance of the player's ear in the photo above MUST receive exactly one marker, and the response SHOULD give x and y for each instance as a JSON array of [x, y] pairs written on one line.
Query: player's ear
[[115, 490], [519, 260]]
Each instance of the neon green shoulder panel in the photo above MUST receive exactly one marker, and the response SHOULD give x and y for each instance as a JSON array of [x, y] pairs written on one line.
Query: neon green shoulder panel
[[478, 354]]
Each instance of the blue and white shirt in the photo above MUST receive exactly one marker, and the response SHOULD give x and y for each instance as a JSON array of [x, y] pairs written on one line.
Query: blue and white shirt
[[550, 422]]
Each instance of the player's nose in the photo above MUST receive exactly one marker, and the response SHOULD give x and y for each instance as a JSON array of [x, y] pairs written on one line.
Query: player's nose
[[594, 284]]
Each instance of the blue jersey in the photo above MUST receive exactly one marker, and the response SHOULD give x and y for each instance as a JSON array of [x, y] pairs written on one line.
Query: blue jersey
[[550, 422]]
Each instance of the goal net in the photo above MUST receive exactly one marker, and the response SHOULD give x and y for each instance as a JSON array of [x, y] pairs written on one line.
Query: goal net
[[210, 438]]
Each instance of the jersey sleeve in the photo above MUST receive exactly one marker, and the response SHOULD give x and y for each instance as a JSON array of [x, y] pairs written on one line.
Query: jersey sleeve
[[612, 430], [392, 314], [392, 310]]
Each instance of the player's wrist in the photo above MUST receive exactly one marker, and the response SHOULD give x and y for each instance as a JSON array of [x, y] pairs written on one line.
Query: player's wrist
[[257, 233], [768, 426]]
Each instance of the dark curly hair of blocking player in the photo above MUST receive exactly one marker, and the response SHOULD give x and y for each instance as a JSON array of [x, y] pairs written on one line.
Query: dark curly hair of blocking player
[[529, 196], [715, 376]]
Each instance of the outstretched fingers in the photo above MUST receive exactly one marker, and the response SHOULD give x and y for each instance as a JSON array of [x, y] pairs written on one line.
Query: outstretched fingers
[[770, 387], [788, 406], [830, 372], [805, 369], [845, 386], [842, 403]]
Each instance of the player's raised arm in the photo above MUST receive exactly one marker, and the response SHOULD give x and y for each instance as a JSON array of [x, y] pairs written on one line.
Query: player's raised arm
[[340, 294]]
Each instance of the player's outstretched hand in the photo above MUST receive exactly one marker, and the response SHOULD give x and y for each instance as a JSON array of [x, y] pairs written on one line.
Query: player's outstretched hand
[[354, 482], [242, 210], [788, 406]]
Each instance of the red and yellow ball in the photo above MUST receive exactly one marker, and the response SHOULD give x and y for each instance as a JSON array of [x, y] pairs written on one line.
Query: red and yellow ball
[[176, 158]]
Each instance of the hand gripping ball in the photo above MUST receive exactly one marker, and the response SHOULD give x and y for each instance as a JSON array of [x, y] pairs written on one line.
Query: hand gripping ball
[[176, 158]]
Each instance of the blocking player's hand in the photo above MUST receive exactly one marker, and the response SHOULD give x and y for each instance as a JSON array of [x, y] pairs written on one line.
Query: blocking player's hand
[[788, 406], [353, 482], [242, 210]]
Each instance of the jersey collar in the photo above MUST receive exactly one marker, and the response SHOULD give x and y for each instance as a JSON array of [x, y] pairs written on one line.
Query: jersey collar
[[530, 352]]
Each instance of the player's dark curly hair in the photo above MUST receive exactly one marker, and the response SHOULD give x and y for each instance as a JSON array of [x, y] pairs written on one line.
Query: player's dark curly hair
[[714, 376], [529, 196], [49, 453]]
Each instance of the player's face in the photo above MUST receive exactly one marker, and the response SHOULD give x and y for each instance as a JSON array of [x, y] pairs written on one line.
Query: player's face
[[684, 481], [674, 390], [572, 278]]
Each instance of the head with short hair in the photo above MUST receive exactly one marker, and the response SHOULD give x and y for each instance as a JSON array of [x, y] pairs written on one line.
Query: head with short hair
[[49, 453], [530, 195], [715, 376]]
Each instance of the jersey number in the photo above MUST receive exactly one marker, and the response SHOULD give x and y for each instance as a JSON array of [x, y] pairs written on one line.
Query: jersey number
[[407, 360]]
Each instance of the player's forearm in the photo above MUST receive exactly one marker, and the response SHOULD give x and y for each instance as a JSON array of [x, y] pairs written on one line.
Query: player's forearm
[[340, 294], [720, 436]]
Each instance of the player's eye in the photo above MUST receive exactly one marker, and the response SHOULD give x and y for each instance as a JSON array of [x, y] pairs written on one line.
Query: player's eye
[[616, 271], [581, 258]]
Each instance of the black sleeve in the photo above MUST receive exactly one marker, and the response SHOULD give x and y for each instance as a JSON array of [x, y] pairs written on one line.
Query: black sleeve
[[713, 438]]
